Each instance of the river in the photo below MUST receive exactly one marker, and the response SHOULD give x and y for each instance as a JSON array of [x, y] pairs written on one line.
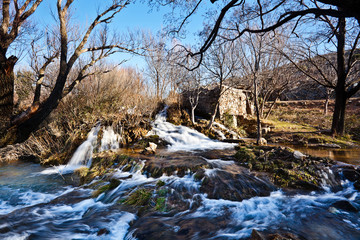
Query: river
[[39, 203]]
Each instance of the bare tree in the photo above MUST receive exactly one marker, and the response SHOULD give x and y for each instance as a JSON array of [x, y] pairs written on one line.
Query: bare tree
[[220, 64], [40, 59], [14, 15], [337, 71], [272, 15], [157, 66], [253, 50], [191, 86], [92, 46], [274, 70]]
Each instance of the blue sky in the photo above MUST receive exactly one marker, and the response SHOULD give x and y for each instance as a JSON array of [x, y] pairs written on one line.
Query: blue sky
[[136, 16]]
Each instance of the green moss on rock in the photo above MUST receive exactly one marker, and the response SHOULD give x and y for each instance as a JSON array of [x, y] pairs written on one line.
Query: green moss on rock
[[140, 197], [245, 155]]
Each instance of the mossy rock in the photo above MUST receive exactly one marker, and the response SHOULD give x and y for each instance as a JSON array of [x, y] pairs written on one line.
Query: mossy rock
[[100, 190], [160, 183], [284, 169], [140, 197], [56, 159], [82, 172], [160, 204], [178, 116], [245, 155], [162, 192], [104, 163]]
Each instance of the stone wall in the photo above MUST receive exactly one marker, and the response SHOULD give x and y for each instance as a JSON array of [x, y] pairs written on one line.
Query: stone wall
[[232, 102]]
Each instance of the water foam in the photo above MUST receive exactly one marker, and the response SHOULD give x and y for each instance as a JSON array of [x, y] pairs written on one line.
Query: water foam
[[110, 139], [275, 210], [183, 138], [83, 154]]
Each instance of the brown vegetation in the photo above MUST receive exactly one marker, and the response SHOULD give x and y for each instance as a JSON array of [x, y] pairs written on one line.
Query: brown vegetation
[[118, 98]]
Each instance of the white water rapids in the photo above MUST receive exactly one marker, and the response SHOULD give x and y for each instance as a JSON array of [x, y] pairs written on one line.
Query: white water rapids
[[42, 206], [183, 138]]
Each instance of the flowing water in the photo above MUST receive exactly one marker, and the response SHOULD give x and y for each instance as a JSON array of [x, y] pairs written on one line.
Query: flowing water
[[349, 155], [39, 203]]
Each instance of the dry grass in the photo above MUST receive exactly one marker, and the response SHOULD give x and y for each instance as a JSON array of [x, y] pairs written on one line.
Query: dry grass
[[308, 116], [118, 98]]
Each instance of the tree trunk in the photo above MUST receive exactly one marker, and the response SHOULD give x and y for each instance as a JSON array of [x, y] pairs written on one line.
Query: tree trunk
[[37, 94], [326, 104], [193, 114], [338, 121], [262, 107], [7, 78], [271, 107], [26, 123], [212, 119], [258, 122]]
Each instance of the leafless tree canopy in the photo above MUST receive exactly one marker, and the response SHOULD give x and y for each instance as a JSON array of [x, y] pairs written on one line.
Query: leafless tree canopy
[[71, 55]]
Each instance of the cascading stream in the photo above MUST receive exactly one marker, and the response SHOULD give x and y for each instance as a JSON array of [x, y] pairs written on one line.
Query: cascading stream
[[183, 138], [42, 206], [83, 154]]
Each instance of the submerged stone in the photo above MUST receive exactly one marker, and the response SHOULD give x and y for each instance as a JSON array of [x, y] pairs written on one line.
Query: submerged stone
[[344, 205]]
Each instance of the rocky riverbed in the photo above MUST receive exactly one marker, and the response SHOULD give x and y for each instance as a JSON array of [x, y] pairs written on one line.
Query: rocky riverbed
[[188, 187]]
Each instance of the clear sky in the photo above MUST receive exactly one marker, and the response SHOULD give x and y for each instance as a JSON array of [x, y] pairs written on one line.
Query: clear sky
[[137, 16]]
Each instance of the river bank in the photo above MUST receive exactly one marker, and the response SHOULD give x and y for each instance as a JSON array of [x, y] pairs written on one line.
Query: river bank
[[191, 187]]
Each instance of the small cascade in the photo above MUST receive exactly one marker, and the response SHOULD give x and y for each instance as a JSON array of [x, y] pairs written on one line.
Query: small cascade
[[83, 154], [110, 139], [221, 130], [214, 198], [183, 138]]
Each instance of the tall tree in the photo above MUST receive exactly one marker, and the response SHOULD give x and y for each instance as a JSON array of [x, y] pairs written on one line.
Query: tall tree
[[253, 50], [220, 65], [14, 15], [336, 71], [91, 46], [266, 16]]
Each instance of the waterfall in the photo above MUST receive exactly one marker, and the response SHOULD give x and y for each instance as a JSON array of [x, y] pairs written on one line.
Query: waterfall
[[110, 139], [183, 138], [83, 153]]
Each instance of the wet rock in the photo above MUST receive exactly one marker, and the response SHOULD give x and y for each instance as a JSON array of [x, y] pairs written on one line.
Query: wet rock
[[304, 185], [289, 168], [256, 235], [344, 205], [155, 227], [282, 236], [357, 185], [299, 155], [156, 166], [351, 174], [234, 185], [151, 149], [114, 183], [103, 231]]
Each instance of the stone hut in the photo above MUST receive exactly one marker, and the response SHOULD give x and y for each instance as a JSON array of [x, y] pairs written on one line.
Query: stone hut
[[233, 102]]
